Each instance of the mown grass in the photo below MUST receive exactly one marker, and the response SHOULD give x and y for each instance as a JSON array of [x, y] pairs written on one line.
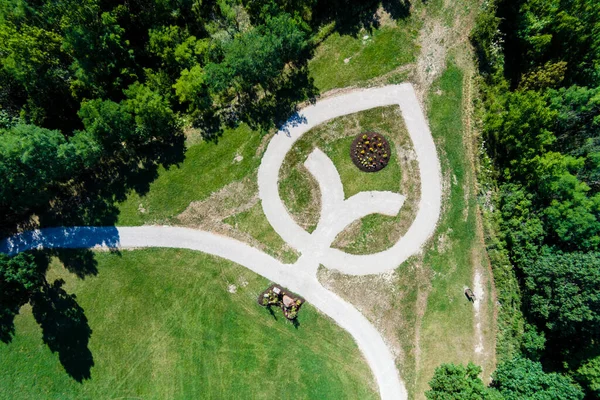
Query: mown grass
[[297, 187], [448, 323], [300, 193], [207, 167], [165, 326], [255, 223], [385, 49]]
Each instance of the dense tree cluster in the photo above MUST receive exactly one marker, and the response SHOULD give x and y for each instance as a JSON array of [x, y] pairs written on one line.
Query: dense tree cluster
[[92, 94], [540, 63], [516, 379], [98, 91]]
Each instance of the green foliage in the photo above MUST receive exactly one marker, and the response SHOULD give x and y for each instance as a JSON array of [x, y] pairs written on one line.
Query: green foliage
[[533, 342], [518, 130], [550, 75], [452, 381], [176, 48], [32, 159], [486, 39], [589, 375], [561, 31], [522, 379], [542, 132], [521, 228], [564, 293], [19, 278], [258, 56]]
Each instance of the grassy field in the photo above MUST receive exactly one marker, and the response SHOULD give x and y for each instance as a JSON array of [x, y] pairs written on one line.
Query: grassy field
[[448, 332], [208, 166], [165, 326], [255, 223], [347, 60], [300, 193], [421, 309]]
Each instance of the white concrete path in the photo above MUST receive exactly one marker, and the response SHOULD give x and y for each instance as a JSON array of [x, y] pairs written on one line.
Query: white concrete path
[[368, 339], [336, 214], [329, 182]]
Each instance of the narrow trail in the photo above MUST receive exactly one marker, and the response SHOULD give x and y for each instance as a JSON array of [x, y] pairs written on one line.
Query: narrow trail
[[301, 277]]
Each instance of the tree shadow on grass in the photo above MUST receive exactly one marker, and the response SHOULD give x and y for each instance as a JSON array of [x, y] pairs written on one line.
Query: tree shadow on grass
[[350, 16], [10, 309], [81, 262], [65, 328], [296, 323], [92, 197]]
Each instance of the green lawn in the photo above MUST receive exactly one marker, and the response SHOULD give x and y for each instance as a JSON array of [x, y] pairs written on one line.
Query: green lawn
[[207, 167], [384, 50], [255, 223], [300, 193], [165, 326], [448, 323]]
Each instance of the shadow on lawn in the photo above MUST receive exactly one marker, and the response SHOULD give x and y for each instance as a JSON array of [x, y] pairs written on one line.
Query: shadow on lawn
[[64, 325], [65, 328], [350, 16], [81, 262], [91, 198]]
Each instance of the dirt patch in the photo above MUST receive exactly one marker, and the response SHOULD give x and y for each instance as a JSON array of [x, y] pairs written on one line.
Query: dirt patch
[[371, 295], [232, 199], [484, 316], [384, 18], [433, 40]]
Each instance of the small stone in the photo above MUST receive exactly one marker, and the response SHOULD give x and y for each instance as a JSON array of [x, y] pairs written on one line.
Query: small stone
[[365, 37]]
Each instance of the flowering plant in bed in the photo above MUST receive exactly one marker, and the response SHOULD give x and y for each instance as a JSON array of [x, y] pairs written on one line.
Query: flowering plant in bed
[[370, 151]]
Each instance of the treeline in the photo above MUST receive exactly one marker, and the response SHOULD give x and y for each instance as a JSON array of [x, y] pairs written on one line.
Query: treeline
[[94, 94], [540, 66]]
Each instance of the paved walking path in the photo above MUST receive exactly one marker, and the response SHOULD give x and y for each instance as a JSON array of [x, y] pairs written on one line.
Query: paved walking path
[[337, 213], [431, 189]]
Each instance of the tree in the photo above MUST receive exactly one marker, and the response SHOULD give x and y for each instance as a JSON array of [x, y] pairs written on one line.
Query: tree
[[523, 379], [257, 57], [30, 161], [20, 277], [519, 132], [563, 293], [588, 375], [521, 228], [452, 382]]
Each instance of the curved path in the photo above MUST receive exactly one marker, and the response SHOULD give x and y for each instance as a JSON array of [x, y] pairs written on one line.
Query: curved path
[[336, 214], [428, 212], [368, 339]]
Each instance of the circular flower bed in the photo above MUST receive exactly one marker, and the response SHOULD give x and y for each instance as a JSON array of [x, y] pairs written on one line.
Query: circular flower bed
[[370, 151]]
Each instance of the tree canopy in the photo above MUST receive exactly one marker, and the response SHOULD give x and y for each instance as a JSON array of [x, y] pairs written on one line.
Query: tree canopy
[[540, 64], [521, 379], [451, 381]]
